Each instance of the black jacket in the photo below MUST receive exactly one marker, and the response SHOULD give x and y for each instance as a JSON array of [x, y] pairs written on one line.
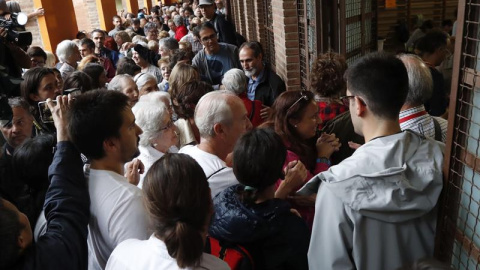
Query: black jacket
[[274, 237], [225, 30], [67, 210], [269, 88]]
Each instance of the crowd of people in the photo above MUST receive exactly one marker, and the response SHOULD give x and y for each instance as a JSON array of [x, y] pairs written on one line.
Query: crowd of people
[[170, 130]]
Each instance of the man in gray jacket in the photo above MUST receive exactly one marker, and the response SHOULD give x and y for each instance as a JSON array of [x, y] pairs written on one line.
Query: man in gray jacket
[[377, 208], [216, 58]]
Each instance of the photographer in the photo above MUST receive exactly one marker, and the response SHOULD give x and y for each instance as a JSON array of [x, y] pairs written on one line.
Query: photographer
[[12, 57], [64, 245]]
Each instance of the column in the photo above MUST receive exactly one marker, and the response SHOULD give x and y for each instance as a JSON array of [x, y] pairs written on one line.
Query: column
[[56, 26], [106, 10]]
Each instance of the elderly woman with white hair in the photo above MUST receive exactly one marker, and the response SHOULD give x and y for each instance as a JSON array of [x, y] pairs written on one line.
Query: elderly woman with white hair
[[69, 55], [167, 46], [146, 83], [124, 83], [235, 81], [158, 135], [181, 30]]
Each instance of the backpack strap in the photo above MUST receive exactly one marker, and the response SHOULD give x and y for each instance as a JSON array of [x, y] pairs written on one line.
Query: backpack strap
[[252, 113], [217, 171], [438, 130]]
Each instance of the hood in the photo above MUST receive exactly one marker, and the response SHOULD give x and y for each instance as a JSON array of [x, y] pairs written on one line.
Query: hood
[[393, 179], [238, 223]]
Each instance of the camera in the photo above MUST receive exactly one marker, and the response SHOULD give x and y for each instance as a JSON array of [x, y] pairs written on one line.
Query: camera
[[21, 38]]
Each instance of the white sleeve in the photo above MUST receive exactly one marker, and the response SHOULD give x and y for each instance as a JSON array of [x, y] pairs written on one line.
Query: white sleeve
[[331, 243]]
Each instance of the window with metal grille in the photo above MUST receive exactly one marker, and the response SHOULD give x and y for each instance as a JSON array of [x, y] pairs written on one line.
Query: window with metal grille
[[310, 31], [458, 231], [357, 28]]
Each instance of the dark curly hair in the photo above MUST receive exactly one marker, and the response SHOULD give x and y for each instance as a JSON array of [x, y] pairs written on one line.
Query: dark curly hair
[[327, 72], [187, 97]]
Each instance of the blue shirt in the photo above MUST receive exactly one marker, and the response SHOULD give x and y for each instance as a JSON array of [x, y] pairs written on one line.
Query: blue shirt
[[218, 64], [253, 84]]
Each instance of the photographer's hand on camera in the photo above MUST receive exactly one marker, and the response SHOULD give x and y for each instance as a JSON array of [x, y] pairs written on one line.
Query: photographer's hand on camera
[[59, 114]]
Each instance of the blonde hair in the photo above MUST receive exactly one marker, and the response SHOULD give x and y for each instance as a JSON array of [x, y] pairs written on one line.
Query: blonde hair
[[181, 74], [87, 60]]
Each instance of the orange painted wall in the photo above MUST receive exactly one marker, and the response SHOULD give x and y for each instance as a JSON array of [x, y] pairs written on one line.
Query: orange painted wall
[[106, 10], [148, 5], [132, 6], [58, 24]]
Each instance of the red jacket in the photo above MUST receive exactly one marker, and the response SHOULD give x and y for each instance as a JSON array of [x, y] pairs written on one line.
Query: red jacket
[[180, 32], [253, 110]]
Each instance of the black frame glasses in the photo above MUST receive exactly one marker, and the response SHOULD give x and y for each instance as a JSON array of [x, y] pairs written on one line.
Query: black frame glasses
[[346, 100]]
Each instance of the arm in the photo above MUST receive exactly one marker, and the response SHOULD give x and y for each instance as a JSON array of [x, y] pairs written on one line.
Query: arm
[[67, 205], [331, 243]]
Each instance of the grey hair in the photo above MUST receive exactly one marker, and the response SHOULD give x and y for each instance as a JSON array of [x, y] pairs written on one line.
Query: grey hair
[[19, 102], [168, 43], [178, 20], [147, 116], [420, 83], [65, 49], [156, 96], [213, 108], [142, 78], [235, 81], [136, 39], [117, 82], [149, 26]]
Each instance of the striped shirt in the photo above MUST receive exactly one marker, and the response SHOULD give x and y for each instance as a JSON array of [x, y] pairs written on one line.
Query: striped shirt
[[418, 120]]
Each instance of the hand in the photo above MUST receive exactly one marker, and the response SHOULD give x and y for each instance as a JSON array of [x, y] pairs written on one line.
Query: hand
[[295, 175], [353, 145], [327, 144], [295, 212], [133, 170], [127, 45], [265, 112], [304, 200], [59, 114], [39, 11]]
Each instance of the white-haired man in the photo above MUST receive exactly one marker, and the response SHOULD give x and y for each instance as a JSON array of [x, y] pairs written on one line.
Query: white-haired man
[[221, 119]]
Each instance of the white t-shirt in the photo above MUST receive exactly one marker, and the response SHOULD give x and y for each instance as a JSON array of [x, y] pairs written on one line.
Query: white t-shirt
[[153, 254], [210, 164], [148, 156], [116, 214]]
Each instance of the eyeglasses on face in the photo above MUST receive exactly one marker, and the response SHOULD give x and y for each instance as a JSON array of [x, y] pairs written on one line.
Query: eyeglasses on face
[[170, 124], [346, 100], [302, 96], [212, 36]]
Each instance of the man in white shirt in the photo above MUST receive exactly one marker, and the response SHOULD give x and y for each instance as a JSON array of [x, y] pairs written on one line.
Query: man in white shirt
[[102, 127], [221, 119]]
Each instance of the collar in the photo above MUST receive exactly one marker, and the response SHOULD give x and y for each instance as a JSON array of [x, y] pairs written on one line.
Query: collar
[[411, 113]]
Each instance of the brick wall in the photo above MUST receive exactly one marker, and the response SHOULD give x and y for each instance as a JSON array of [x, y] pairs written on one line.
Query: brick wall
[[285, 26], [249, 18]]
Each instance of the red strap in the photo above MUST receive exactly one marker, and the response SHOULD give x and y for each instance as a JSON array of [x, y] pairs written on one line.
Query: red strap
[[409, 117]]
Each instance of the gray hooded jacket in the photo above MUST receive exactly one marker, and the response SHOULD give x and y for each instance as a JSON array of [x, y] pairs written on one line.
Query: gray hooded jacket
[[377, 208]]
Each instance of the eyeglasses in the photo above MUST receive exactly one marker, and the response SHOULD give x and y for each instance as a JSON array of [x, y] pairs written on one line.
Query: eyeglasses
[[37, 63], [346, 100], [303, 96], [205, 39], [169, 125]]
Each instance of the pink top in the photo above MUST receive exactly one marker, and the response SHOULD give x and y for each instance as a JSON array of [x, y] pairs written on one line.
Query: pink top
[[306, 212]]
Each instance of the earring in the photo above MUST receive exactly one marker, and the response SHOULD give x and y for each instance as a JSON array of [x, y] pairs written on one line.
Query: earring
[[295, 125]]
